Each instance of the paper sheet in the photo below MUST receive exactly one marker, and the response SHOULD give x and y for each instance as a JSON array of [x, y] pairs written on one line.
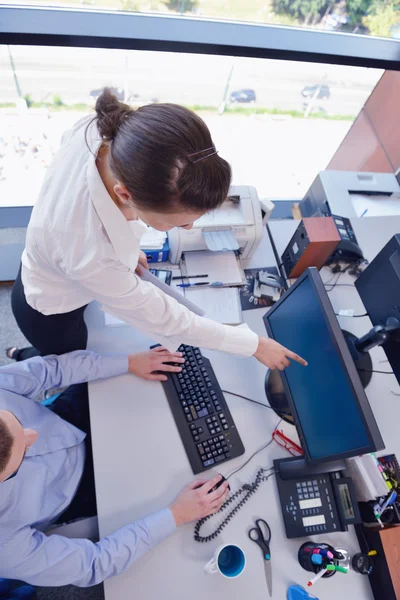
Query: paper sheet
[[219, 304], [152, 239], [375, 206], [219, 266], [220, 240]]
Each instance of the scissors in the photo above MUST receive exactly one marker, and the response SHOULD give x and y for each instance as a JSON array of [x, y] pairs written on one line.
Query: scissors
[[261, 535]]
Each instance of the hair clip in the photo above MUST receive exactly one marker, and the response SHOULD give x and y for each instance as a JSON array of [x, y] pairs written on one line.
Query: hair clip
[[201, 152]]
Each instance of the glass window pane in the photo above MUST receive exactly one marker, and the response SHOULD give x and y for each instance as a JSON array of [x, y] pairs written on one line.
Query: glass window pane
[[277, 122], [366, 17]]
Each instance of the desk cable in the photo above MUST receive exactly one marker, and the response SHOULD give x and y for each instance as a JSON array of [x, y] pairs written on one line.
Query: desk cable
[[248, 489]]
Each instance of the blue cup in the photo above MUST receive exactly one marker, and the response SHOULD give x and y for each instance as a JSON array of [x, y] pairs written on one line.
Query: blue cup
[[228, 560]]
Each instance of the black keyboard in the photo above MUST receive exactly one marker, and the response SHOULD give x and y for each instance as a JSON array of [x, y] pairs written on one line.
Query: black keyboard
[[201, 414]]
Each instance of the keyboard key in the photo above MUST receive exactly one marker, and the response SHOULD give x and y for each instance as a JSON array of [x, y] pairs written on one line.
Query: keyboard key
[[212, 431], [218, 429], [221, 438], [186, 410], [203, 412], [215, 453], [209, 384], [221, 415], [226, 426], [227, 454], [208, 463], [212, 448], [209, 455], [196, 438], [200, 430], [214, 418], [189, 418], [192, 426], [208, 420], [220, 451], [220, 458], [194, 412], [215, 440]]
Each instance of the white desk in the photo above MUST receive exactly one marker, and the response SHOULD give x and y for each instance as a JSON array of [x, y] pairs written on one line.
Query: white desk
[[140, 465]]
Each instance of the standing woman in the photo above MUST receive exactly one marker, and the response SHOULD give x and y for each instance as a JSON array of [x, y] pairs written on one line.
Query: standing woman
[[113, 175]]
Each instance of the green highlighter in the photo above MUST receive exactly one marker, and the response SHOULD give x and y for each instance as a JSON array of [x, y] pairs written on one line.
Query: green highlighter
[[336, 568]]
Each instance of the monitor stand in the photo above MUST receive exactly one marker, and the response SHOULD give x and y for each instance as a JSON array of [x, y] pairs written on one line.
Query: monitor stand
[[274, 387]]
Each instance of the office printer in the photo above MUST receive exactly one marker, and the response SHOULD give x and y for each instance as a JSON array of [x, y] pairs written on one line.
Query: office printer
[[236, 225], [350, 194]]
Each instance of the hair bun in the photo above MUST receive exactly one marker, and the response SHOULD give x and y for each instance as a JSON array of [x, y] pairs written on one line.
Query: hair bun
[[110, 114]]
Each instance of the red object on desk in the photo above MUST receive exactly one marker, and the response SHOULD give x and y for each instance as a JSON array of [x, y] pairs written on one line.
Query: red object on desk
[[291, 446]]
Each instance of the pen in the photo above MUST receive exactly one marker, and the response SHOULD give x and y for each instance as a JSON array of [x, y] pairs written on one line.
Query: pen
[[189, 276], [186, 285], [364, 213], [314, 580], [213, 284], [388, 502]]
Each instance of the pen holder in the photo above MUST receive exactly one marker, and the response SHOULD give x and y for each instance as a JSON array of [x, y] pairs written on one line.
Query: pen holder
[[305, 553]]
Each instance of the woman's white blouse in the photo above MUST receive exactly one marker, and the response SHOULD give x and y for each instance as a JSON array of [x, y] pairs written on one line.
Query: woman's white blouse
[[81, 248]]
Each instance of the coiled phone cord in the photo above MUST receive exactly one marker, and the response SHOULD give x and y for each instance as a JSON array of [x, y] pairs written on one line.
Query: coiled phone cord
[[248, 489]]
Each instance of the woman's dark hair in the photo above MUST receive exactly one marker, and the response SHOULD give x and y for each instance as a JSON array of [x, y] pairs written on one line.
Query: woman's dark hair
[[150, 150]]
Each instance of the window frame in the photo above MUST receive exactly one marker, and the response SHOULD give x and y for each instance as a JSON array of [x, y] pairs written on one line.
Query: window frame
[[33, 26]]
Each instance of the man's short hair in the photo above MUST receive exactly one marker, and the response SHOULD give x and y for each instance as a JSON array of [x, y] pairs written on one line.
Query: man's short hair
[[6, 443]]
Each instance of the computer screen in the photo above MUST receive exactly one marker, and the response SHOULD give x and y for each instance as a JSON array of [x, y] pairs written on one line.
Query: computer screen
[[379, 289], [327, 400]]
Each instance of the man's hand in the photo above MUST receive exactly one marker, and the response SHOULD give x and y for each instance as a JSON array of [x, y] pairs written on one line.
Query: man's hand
[[194, 502], [274, 355], [142, 263], [144, 363]]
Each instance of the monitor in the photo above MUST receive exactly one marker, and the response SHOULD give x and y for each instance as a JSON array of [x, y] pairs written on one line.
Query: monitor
[[379, 289], [327, 400]]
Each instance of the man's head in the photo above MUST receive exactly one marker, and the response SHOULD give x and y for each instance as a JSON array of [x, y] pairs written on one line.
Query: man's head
[[14, 442]]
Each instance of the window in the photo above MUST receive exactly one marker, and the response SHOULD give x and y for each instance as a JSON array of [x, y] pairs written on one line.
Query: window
[[367, 17], [277, 122]]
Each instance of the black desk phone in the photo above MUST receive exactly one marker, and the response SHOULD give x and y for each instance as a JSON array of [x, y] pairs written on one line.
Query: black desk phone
[[315, 502]]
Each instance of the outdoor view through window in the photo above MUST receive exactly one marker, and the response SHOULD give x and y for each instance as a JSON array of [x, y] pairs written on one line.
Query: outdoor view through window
[[365, 17], [277, 122]]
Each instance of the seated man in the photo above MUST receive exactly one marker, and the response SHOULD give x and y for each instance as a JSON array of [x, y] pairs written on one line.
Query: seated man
[[46, 476]]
